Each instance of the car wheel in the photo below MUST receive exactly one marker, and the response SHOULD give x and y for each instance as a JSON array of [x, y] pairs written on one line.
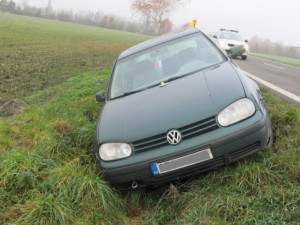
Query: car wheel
[[244, 57]]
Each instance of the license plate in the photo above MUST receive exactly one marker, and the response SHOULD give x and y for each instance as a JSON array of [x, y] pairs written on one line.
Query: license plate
[[181, 162]]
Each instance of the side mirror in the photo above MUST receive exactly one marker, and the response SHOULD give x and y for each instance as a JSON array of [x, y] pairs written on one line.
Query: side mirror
[[100, 97], [236, 51], [215, 37], [246, 40]]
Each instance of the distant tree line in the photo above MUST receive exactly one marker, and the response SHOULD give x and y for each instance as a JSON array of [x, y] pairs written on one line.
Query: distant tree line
[[150, 27], [266, 46], [99, 18]]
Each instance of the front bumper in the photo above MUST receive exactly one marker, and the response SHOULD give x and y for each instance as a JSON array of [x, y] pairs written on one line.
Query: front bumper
[[246, 53], [225, 150]]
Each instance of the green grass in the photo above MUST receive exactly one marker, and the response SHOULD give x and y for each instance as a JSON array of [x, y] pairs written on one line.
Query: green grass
[[48, 174], [285, 60], [40, 53]]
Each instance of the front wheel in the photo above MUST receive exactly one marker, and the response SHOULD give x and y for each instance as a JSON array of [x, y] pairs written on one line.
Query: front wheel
[[244, 57]]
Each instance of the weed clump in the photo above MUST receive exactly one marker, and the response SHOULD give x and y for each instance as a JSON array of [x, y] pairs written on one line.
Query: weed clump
[[61, 127], [18, 171], [45, 209], [83, 188]]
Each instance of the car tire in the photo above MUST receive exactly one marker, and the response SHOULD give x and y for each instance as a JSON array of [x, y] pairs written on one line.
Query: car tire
[[244, 57]]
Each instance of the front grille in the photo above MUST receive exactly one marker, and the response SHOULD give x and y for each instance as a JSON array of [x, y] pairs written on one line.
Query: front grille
[[231, 45], [189, 131]]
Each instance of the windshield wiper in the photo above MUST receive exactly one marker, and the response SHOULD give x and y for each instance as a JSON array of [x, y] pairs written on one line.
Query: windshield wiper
[[187, 74], [135, 91], [177, 77]]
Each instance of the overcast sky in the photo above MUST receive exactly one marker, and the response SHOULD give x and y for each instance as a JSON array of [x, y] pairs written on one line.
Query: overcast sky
[[278, 20]]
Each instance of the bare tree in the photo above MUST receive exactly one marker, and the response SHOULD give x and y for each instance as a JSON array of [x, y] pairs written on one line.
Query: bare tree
[[64, 16], [155, 12], [166, 26]]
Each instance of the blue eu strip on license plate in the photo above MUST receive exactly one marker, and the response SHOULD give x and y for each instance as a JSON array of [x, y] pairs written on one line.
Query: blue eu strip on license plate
[[154, 169]]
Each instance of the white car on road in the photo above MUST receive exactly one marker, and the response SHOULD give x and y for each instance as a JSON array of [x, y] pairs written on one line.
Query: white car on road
[[229, 38]]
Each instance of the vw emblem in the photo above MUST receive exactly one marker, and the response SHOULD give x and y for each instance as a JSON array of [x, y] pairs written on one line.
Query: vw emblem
[[174, 137]]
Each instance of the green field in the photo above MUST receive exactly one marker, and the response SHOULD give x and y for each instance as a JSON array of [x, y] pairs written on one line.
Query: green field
[[285, 60], [48, 174], [38, 53]]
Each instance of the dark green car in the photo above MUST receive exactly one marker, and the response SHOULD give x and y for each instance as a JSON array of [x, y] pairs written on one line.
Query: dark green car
[[177, 106]]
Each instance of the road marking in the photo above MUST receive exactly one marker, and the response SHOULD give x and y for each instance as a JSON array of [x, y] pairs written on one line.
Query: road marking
[[274, 87], [274, 66]]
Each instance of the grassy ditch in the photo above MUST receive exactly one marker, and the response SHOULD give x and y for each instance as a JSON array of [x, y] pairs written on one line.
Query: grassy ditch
[[48, 176], [285, 60]]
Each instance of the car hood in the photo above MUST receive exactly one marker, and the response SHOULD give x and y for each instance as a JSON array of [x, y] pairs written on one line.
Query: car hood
[[179, 103]]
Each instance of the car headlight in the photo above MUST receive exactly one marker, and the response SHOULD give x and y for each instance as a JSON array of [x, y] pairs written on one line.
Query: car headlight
[[235, 112], [114, 151]]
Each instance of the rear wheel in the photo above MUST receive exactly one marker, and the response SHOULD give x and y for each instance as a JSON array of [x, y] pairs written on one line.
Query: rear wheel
[[244, 57]]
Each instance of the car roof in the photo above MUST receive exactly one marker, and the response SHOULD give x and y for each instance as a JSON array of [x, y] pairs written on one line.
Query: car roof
[[156, 41]]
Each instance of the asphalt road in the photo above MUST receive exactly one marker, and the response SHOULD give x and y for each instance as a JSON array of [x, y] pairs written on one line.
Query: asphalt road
[[281, 75]]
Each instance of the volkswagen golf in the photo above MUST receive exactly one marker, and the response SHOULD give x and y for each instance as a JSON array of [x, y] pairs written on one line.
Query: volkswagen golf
[[177, 106]]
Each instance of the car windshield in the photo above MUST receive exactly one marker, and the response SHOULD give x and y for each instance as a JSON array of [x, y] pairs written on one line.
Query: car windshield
[[231, 36], [163, 63]]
